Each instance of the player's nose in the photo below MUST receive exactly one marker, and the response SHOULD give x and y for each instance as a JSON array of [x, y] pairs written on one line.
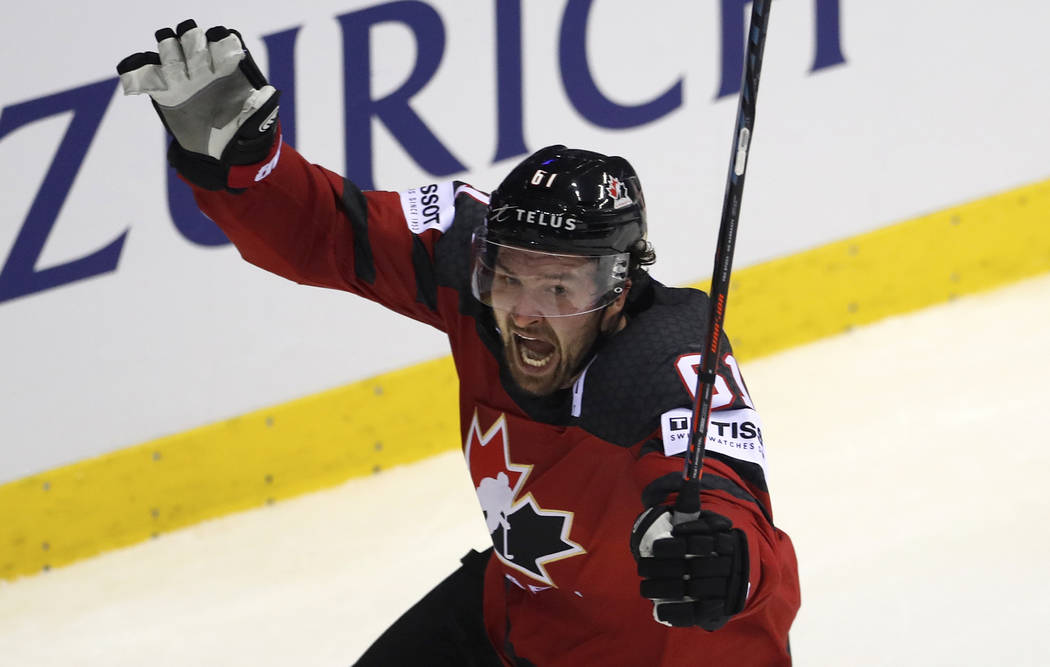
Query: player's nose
[[525, 310], [523, 319]]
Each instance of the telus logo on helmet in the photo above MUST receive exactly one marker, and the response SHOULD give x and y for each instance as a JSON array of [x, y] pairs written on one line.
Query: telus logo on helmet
[[508, 212]]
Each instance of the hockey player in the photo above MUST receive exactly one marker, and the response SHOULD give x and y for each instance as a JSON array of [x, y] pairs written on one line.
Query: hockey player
[[576, 370]]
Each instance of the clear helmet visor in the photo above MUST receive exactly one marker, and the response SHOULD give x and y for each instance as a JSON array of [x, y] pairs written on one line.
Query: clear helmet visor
[[532, 283]]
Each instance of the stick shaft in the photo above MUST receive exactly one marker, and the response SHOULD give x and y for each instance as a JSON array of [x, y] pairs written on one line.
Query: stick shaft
[[719, 293]]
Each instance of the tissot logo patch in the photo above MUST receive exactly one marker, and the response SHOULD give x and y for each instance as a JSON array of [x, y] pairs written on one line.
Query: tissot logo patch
[[429, 207], [675, 426], [735, 433], [525, 536]]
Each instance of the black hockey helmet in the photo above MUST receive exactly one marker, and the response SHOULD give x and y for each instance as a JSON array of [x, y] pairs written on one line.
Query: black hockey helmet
[[571, 201], [559, 202]]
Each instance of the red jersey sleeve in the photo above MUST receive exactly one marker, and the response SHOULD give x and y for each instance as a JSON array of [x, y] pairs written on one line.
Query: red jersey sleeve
[[313, 226], [734, 485]]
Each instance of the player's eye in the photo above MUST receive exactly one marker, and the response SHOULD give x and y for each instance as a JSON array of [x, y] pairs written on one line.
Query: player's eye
[[508, 280]]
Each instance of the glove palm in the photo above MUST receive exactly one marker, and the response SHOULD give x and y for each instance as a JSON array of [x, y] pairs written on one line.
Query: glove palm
[[213, 100]]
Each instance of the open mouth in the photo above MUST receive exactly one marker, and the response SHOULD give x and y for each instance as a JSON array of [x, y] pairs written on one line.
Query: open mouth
[[534, 353]]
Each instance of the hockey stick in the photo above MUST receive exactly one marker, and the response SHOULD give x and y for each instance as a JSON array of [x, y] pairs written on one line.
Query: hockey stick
[[688, 504]]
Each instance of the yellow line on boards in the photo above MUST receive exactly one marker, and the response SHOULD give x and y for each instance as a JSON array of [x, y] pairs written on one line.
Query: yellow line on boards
[[132, 494], [129, 495], [927, 260]]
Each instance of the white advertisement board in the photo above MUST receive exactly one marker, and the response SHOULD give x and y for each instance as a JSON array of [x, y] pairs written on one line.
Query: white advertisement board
[[124, 316]]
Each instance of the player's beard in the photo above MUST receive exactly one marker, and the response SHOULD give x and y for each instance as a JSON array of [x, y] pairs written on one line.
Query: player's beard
[[560, 368]]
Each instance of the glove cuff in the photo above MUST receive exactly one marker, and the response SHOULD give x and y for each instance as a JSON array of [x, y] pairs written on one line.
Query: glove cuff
[[244, 176], [207, 173], [251, 155]]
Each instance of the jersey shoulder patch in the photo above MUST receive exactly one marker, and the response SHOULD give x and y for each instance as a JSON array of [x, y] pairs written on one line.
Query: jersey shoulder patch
[[733, 433], [429, 207], [674, 429]]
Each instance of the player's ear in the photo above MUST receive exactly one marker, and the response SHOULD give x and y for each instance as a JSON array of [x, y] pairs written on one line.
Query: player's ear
[[612, 316]]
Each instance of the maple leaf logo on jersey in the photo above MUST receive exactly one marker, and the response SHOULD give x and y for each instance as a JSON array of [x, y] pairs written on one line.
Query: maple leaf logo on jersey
[[525, 536]]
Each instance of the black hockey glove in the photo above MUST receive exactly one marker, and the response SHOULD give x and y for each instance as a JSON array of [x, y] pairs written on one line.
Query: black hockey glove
[[214, 101], [695, 572]]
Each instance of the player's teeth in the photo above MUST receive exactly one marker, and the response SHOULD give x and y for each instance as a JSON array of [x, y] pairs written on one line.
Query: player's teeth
[[536, 362]]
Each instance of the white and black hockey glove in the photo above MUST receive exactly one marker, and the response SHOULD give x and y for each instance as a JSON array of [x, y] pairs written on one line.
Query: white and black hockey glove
[[696, 572], [214, 101]]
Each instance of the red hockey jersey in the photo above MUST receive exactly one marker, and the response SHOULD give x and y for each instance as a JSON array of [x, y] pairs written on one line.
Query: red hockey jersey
[[559, 477]]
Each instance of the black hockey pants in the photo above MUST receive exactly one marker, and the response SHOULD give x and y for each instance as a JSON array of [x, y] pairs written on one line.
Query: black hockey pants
[[446, 627]]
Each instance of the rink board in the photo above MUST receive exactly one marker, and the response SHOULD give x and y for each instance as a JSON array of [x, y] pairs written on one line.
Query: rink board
[[127, 496]]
